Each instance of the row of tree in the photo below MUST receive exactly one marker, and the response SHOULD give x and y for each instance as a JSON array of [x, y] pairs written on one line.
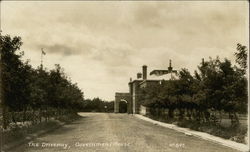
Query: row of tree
[[217, 86], [38, 91], [97, 105]]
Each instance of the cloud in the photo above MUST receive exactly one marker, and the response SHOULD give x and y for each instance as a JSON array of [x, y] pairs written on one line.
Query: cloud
[[59, 48], [102, 44]]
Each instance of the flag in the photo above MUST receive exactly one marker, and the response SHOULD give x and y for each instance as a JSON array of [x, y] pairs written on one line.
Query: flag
[[43, 53]]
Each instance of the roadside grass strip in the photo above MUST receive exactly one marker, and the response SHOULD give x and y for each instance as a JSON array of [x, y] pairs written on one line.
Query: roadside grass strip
[[206, 136]]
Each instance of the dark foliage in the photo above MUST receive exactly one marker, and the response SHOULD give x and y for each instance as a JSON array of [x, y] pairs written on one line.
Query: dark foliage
[[97, 105], [28, 90], [216, 87]]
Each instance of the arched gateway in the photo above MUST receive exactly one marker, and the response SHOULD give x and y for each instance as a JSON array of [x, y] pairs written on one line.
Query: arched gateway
[[121, 97]]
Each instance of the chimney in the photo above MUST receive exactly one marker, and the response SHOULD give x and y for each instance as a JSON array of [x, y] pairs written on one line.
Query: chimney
[[139, 75], [202, 62], [170, 66], [144, 72]]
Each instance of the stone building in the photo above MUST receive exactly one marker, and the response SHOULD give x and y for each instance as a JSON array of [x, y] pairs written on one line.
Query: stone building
[[132, 98]]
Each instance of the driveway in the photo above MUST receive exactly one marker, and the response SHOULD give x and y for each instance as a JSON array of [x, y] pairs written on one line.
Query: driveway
[[117, 133]]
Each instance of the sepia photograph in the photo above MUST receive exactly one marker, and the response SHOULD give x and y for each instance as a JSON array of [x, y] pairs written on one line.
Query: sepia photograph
[[124, 76]]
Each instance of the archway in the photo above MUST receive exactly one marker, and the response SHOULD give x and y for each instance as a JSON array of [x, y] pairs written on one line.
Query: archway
[[121, 102], [123, 106]]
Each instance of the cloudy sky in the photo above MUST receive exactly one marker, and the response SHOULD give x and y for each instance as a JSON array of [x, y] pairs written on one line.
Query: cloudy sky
[[102, 44]]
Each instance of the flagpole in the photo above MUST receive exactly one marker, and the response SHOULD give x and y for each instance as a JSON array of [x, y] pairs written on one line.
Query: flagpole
[[41, 57], [42, 53]]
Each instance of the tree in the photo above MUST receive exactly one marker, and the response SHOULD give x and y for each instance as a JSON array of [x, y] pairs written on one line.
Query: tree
[[10, 74], [25, 88], [241, 56], [11, 68]]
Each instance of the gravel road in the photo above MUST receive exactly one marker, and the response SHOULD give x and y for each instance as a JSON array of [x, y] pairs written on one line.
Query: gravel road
[[117, 133]]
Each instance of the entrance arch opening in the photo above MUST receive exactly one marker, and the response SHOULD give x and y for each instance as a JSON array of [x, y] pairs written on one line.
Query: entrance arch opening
[[121, 102], [123, 106]]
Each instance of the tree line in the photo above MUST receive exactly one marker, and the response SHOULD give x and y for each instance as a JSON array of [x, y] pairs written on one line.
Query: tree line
[[97, 105], [33, 94], [216, 87]]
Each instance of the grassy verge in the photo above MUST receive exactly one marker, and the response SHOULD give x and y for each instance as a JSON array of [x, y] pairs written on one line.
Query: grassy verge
[[20, 131], [234, 133]]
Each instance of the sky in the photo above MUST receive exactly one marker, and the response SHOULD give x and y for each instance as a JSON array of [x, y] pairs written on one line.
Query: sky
[[101, 44]]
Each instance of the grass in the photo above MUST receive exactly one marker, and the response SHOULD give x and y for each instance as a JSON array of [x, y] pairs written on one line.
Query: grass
[[234, 133], [18, 131]]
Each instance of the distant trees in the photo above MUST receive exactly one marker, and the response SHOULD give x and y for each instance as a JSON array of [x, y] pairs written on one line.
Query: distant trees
[[216, 86], [35, 94], [97, 105]]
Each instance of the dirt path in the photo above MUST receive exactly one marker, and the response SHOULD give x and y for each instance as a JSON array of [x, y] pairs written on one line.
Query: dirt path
[[117, 133]]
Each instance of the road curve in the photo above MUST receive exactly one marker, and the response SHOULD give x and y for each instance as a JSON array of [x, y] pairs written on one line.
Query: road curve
[[117, 133]]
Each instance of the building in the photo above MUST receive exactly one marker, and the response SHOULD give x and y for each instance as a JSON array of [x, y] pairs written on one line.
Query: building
[[132, 98], [121, 96]]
